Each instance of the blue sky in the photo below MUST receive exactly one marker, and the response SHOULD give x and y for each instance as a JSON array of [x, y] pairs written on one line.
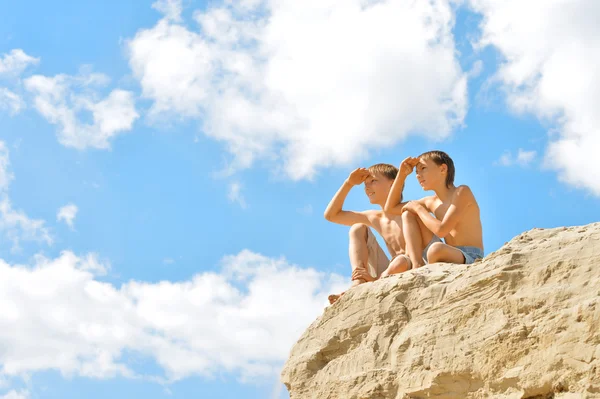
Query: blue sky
[[164, 167]]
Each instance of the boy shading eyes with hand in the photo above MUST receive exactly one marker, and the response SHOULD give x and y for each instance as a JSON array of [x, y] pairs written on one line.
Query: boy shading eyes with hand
[[367, 258], [452, 213]]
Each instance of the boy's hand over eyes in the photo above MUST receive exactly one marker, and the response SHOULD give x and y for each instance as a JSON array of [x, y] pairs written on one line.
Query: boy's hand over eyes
[[407, 166], [358, 176]]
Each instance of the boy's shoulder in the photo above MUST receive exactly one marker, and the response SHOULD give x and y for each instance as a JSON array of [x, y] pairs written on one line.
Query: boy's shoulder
[[371, 213], [425, 201], [463, 195], [463, 191]]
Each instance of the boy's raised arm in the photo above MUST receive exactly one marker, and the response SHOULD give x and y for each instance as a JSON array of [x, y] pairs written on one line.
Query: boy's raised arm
[[393, 204], [334, 212]]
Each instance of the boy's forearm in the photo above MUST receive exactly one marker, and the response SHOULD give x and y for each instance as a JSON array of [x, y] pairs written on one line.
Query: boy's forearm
[[337, 202], [395, 195], [433, 224]]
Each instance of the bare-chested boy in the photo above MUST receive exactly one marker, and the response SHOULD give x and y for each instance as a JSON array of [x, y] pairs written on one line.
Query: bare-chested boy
[[367, 259], [456, 219]]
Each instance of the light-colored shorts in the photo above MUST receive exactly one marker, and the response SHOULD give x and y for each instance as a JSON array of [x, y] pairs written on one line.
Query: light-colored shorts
[[471, 254], [378, 260]]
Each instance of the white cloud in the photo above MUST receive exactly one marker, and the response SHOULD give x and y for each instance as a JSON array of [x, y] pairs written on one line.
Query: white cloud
[[235, 195], [11, 101], [67, 214], [316, 83], [522, 158], [16, 395], [15, 62], [18, 227], [170, 8], [525, 157], [476, 69], [66, 101], [505, 159], [551, 70], [12, 66], [55, 314], [6, 176], [15, 224]]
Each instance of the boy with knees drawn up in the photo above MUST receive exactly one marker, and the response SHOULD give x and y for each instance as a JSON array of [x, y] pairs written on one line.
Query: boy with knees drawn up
[[452, 213], [367, 259]]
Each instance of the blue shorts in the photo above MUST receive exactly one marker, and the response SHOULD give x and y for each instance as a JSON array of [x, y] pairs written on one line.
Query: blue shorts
[[471, 254]]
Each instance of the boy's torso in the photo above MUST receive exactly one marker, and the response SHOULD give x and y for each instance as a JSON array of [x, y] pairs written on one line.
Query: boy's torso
[[390, 229], [468, 231]]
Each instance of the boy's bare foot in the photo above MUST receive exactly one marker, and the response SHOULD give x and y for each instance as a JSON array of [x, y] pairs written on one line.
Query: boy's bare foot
[[334, 297]]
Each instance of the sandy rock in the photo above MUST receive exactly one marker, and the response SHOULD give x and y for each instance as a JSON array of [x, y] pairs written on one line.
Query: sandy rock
[[522, 323]]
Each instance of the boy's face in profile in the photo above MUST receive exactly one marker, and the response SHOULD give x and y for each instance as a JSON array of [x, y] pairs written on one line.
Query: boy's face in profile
[[429, 174], [377, 188]]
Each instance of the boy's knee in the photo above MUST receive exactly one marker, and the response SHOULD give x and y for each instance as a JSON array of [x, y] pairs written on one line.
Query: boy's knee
[[408, 216], [359, 230], [435, 252]]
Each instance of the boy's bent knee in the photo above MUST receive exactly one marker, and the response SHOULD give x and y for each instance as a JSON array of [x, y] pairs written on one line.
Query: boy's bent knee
[[408, 216], [435, 252], [359, 230]]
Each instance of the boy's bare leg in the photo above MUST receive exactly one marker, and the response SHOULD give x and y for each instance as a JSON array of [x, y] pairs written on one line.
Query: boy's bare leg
[[398, 265], [359, 253], [357, 250], [416, 236], [440, 252]]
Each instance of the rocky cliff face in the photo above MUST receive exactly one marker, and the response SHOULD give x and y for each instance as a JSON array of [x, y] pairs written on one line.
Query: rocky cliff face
[[522, 323]]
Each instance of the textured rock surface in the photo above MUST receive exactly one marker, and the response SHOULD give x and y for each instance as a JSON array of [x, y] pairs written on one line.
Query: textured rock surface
[[523, 323]]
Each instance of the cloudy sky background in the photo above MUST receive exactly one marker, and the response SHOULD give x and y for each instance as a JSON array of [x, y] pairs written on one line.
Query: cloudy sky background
[[164, 168]]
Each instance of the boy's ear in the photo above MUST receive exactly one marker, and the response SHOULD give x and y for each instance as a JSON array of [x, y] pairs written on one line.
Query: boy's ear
[[444, 168]]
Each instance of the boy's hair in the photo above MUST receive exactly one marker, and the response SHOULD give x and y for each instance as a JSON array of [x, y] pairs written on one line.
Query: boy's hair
[[441, 158], [387, 170]]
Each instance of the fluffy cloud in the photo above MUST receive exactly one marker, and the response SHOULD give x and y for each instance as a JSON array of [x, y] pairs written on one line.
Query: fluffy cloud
[[67, 214], [235, 195], [11, 66], [170, 8], [6, 175], [551, 69], [55, 314], [11, 101], [316, 83], [523, 158], [65, 100], [15, 224], [15, 62], [18, 227], [16, 395]]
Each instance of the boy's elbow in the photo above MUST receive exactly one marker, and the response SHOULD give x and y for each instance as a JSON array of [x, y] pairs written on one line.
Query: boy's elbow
[[441, 232], [329, 216]]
